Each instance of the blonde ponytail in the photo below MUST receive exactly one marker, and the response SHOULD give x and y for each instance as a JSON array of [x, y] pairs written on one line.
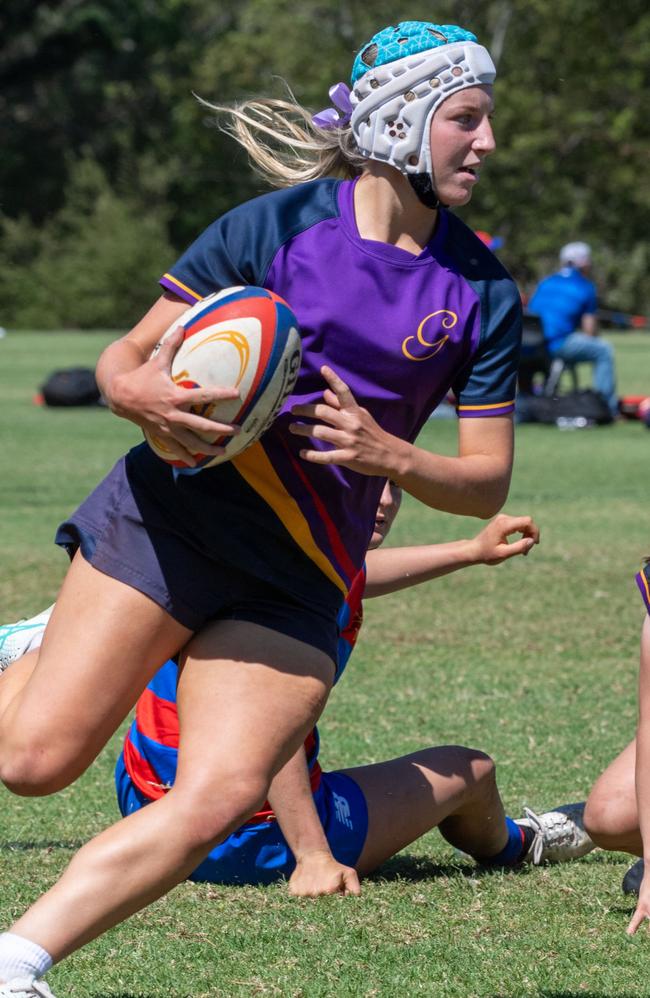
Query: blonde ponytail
[[284, 146]]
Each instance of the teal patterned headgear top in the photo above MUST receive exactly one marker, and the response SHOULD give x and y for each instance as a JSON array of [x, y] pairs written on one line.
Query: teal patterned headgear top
[[407, 38]]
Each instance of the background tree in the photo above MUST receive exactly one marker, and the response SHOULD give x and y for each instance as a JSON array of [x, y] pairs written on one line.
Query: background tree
[[96, 95]]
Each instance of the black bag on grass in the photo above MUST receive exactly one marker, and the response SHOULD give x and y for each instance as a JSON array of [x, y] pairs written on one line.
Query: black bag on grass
[[587, 404], [71, 386]]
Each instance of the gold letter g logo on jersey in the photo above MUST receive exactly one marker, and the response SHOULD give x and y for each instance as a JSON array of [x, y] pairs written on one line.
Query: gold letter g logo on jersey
[[433, 345]]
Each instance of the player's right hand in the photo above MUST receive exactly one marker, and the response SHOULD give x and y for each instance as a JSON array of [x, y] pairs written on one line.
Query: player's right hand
[[642, 907], [492, 543], [318, 873], [149, 397]]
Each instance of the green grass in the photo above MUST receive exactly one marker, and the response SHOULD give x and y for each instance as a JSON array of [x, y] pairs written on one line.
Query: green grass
[[535, 662]]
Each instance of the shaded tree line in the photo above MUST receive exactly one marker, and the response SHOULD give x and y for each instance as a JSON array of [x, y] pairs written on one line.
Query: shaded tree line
[[110, 167]]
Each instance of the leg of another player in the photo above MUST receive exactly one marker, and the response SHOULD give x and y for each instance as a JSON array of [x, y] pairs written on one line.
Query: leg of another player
[[611, 815], [449, 787], [13, 680], [247, 697], [59, 706]]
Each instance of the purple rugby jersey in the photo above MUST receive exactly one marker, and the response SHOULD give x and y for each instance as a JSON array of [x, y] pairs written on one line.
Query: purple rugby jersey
[[643, 582], [401, 330]]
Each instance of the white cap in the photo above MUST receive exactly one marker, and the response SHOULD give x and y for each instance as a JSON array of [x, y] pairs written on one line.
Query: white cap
[[576, 255]]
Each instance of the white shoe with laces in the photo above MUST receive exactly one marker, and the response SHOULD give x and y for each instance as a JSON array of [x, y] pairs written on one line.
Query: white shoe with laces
[[559, 834], [25, 987], [19, 638]]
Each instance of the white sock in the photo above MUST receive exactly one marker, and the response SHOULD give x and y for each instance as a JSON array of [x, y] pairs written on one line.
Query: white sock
[[21, 958]]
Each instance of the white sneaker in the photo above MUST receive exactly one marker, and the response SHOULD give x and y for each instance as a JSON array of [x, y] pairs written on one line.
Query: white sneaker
[[25, 987], [559, 834], [19, 638]]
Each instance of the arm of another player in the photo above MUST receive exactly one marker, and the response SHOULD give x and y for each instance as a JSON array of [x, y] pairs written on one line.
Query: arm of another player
[[391, 569], [643, 777], [475, 483], [317, 872], [139, 387]]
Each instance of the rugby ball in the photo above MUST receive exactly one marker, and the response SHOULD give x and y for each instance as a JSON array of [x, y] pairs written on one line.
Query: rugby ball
[[242, 337]]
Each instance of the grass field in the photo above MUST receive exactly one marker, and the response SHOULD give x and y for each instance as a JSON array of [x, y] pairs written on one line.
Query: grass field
[[534, 662]]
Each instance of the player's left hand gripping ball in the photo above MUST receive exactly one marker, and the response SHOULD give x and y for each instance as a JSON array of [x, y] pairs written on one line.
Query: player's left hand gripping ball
[[246, 338]]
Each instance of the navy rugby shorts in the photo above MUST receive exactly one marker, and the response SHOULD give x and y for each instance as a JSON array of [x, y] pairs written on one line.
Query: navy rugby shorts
[[123, 531]]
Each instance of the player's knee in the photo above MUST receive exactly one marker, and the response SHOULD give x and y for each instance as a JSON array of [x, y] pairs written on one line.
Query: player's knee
[[209, 810], [246, 793], [476, 768], [34, 770], [482, 769], [602, 819], [476, 765]]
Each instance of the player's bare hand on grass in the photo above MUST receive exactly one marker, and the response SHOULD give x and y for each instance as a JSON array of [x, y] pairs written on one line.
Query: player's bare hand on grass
[[492, 545], [357, 441], [149, 397], [318, 873], [642, 911]]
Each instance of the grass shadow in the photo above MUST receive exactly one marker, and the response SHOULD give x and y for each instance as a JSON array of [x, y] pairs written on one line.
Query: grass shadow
[[418, 868], [588, 994], [622, 908], [29, 846]]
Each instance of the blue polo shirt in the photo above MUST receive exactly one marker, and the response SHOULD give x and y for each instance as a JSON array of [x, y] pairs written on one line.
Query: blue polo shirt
[[560, 301]]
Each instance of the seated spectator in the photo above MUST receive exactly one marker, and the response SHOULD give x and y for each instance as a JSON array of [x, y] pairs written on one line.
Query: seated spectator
[[566, 303]]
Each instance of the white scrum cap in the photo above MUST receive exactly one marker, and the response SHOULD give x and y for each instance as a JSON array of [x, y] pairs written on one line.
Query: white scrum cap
[[395, 95]]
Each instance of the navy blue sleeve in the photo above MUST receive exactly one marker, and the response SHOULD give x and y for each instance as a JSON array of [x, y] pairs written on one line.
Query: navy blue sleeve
[[487, 384], [240, 246]]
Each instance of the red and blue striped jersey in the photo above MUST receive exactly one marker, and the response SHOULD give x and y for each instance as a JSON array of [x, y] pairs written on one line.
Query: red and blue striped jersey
[[151, 744]]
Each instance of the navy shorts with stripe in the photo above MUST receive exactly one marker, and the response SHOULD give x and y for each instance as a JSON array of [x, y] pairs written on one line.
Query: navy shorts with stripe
[[123, 530]]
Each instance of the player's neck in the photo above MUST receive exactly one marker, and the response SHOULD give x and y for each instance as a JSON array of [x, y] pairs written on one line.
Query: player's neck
[[388, 210]]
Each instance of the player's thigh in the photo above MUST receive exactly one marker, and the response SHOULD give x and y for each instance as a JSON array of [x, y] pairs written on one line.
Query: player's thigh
[[102, 644], [410, 795], [247, 697]]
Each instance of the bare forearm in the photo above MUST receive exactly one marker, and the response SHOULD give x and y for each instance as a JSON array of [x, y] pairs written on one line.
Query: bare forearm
[[136, 382], [474, 484], [129, 353], [120, 357], [291, 798], [392, 569], [469, 485]]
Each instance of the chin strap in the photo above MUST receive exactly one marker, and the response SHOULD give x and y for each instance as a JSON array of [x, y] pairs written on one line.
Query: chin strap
[[423, 187]]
